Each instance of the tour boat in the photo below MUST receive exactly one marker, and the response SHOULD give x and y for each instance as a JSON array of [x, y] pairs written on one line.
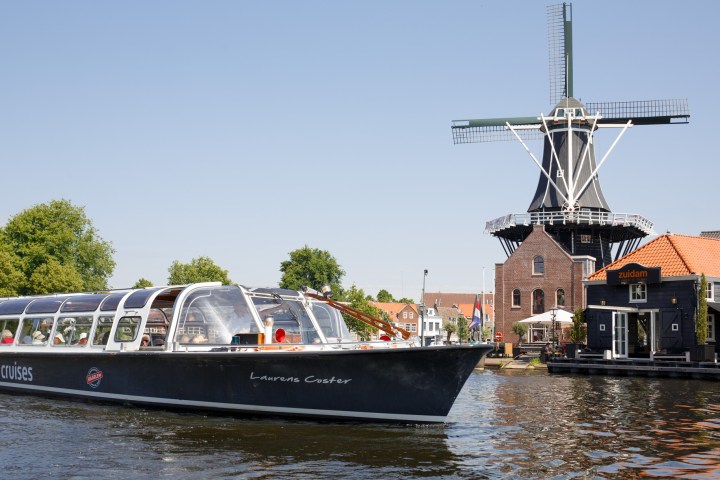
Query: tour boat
[[226, 348]]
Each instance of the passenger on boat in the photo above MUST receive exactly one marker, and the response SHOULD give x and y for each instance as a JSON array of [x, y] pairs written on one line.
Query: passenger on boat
[[145, 342], [7, 337], [38, 338], [58, 339], [27, 340], [83, 339], [199, 338], [185, 339]]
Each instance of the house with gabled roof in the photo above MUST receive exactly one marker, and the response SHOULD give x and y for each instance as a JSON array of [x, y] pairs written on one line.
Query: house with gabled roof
[[403, 315], [645, 304]]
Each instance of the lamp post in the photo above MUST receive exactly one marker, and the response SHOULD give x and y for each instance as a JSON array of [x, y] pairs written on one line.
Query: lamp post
[[422, 311]]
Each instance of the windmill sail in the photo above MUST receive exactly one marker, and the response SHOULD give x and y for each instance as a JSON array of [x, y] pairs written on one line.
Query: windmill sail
[[568, 198]]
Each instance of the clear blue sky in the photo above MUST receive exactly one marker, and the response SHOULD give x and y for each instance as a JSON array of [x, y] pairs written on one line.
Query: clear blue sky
[[244, 130]]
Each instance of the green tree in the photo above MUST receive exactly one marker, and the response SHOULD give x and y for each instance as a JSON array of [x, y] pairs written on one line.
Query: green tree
[[59, 236], [485, 333], [450, 328], [143, 283], [463, 332], [201, 269], [357, 300], [12, 280], [53, 277], [314, 268], [578, 331], [701, 327], [520, 329], [406, 300], [385, 296]]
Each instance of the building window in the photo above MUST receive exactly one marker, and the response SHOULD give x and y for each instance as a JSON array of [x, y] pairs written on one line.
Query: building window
[[412, 315], [584, 238], [638, 293], [538, 265], [709, 293], [538, 302], [711, 327], [560, 297], [404, 314], [516, 297]]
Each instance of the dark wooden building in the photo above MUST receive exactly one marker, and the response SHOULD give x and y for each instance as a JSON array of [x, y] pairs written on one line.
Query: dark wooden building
[[645, 304]]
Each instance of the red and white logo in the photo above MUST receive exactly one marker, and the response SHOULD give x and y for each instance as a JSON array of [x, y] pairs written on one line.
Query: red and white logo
[[93, 377]]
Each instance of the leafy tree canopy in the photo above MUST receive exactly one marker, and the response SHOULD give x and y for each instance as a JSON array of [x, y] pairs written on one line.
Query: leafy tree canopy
[[314, 268], [143, 283], [384, 296], [450, 328], [54, 238], [357, 300], [201, 269], [463, 331], [53, 277], [12, 280], [406, 300]]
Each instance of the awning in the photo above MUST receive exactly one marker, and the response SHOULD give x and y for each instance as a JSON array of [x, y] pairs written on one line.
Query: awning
[[714, 305], [561, 316]]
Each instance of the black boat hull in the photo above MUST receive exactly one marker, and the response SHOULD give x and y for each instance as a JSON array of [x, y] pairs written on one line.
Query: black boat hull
[[403, 385]]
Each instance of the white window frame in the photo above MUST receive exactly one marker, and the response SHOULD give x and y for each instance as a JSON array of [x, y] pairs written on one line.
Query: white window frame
[[710, 292], [541, 262], [512, 297], [635, 291], [710, 327], [404, 314]]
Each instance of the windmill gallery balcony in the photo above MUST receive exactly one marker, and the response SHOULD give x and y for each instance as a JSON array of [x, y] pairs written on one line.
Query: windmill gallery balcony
[[582, 217]]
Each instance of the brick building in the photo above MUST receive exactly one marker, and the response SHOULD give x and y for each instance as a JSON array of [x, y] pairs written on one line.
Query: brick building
[[539, 275]]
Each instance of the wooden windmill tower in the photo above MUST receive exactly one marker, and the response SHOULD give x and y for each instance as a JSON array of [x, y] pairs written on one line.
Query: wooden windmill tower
[[568, 199]]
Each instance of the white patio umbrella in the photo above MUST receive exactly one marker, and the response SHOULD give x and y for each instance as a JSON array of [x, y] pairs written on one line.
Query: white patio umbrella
[[561, 316]]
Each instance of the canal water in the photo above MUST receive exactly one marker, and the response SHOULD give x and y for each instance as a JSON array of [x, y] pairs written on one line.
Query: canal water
[[504, 425]]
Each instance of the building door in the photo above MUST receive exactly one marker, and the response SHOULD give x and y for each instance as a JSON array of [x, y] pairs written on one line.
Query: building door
[[655, 333], [620, 335]]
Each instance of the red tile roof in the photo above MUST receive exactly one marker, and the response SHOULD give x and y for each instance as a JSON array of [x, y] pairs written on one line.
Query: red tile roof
[[677, 255], [392, 308]]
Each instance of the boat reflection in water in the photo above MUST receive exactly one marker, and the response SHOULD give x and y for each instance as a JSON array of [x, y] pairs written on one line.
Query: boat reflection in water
[[226, 348]]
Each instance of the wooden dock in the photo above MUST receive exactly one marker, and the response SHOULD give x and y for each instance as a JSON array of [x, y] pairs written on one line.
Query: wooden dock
[[636, 367]]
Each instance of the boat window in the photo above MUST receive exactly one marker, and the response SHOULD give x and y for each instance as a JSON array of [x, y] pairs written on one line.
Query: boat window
[[127, 329], [83, 303], [46, 305], [36, 329], [157, 325], [331, 322], [14, 307], [102, 330], [139, 298], [8, 327], [290, 315], [111, 302], [214, 315], [75, 330]]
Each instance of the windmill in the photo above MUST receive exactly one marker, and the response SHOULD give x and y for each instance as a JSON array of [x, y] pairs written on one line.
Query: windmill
[[568, 199]]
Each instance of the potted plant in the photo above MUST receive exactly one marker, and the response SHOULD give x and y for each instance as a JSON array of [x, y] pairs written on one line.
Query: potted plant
[[519, 329], [578, 332], [702, 352]]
